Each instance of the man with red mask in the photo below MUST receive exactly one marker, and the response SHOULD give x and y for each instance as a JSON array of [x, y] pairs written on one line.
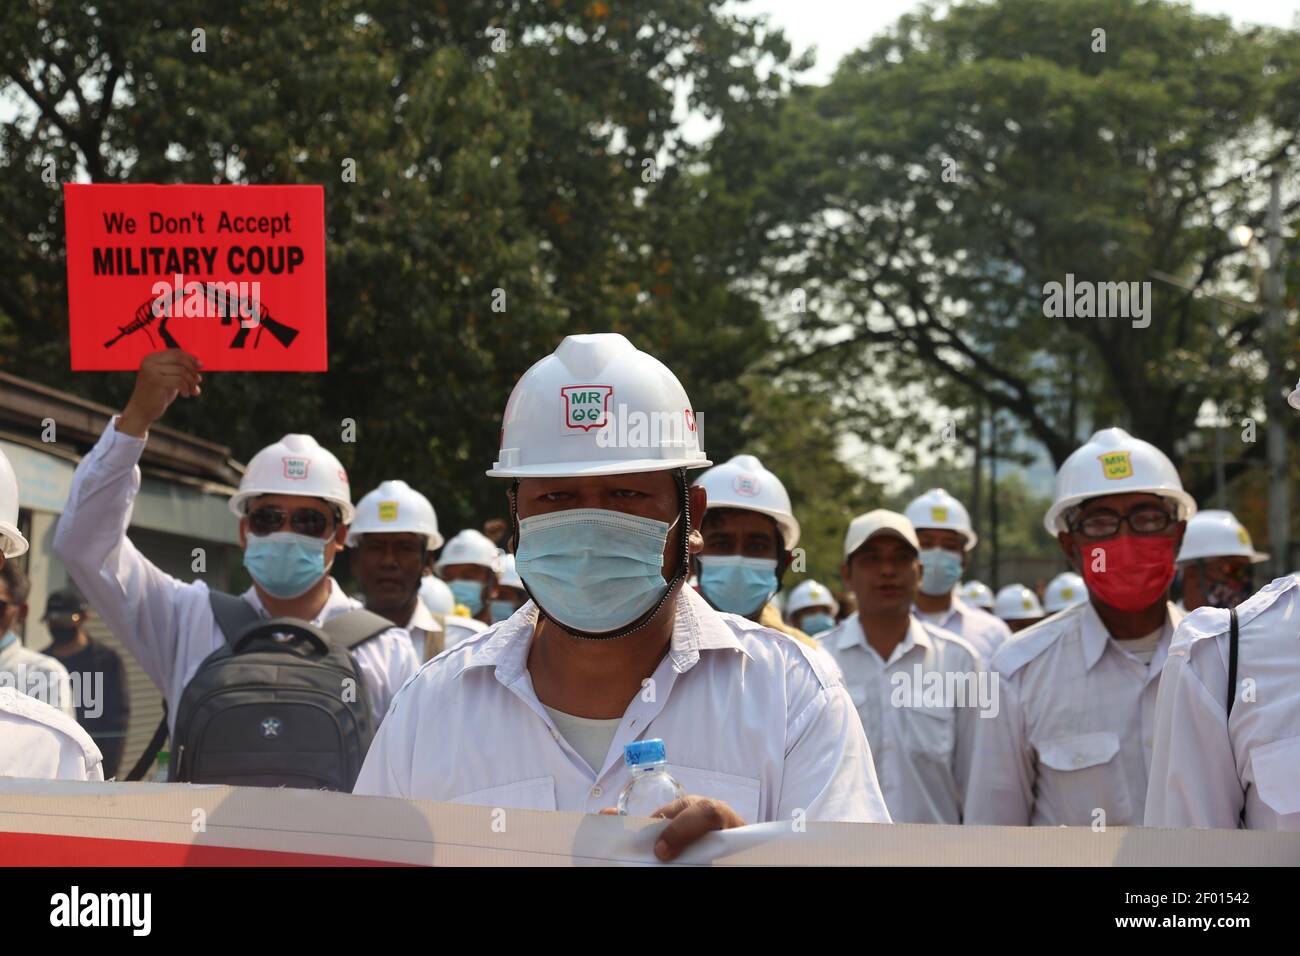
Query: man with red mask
[[1071, 743]]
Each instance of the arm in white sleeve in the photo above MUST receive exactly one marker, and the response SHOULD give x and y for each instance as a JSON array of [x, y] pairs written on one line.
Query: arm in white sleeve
[[829, 774], [1194, 780], [968, 720], [134, 597], [1002, 775]]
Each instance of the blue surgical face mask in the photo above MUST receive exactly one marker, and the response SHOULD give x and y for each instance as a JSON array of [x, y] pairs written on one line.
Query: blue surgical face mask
[[468, 593], [735, 584], [816, 622], [285, 564], [591, 569], [500, 610], [942, 570]]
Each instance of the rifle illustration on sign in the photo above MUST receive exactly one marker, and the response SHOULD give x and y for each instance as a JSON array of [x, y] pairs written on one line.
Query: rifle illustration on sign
[[228, 306]]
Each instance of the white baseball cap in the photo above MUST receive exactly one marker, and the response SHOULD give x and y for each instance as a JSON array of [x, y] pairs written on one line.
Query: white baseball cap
[[880, 521]]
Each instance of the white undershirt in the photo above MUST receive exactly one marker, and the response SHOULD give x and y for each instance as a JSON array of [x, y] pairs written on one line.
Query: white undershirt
[[1143, 648], [587, 735]]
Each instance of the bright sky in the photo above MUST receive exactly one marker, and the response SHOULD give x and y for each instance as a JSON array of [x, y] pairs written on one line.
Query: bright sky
[[836, 27]]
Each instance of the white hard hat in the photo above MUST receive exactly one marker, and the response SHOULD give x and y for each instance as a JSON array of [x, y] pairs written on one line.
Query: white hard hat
[[744, 483], [295, 465], [1064, 590], [597, 406], [938, 509], [12, 543], [395, 506], [1113, 462], [1015, 602], [1217, 534], [1294, 398], [436, 595], [507, 576], [866, 525], [811, 594], [977, 593], [470, 547]]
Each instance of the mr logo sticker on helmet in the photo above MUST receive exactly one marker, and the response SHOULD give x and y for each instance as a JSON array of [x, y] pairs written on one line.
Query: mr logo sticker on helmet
[[746, 485], [938, 514], [586, 406], [388, 511], [296, 468], [1116, 464]]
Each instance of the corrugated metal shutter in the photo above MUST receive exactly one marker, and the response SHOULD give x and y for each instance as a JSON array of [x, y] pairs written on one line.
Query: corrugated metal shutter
[[146, 700]]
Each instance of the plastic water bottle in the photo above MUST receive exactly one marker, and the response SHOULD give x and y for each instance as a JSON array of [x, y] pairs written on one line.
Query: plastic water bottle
[[161, 767], [651, 786]]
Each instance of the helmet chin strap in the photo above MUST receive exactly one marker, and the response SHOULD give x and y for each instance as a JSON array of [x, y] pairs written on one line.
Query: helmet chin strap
[[684, 502]]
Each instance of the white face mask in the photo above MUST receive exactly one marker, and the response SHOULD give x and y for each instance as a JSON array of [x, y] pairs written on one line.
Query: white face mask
[[591, 569]]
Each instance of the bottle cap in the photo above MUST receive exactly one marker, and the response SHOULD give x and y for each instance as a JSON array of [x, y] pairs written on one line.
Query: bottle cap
[[640, 753]]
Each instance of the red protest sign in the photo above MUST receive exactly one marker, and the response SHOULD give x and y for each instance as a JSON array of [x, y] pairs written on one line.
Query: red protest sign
[[233, 274]]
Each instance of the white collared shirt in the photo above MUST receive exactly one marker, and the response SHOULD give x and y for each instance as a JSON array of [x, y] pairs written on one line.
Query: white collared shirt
[[421, 624], [38, 741], [461, 628], [36, 675], [921, 743], [165, 622], [974, 625], [748, 716], [1073, 737], [1207, 768]]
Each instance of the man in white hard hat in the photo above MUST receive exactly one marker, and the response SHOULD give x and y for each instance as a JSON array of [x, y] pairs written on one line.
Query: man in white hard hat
[[1216, 562], [812, 608], [1018, 606], [36, 740], [509, 595], [749, 532], [1065, 590], [977, 593], [469, 565], [943, 527], [1227, 747], [1072, 741], [611, 648], [393, 538], [294, 507], [905, 675]]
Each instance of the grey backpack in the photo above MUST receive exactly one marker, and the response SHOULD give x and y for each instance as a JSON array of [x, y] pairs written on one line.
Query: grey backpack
[[280, 704]]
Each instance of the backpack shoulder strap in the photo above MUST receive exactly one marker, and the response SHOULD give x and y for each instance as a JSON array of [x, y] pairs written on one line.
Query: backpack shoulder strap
[[234, 615], [353, 628], [1232, 658]]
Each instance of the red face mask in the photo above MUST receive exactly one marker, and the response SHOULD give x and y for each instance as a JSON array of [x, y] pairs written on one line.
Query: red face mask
[[1132, 571]]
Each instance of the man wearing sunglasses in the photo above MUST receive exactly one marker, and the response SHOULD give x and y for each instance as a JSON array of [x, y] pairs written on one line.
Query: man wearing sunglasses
[[1072, 741], [612, 649], [294, 507], [1216, 562], [36, 740]]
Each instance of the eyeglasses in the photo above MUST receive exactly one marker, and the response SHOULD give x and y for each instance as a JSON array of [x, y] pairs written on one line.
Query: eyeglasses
[[270, 518], [1104, 523]]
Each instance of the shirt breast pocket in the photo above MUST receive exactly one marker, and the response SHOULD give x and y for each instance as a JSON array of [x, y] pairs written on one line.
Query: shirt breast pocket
[[536, 793], [931, 731], [742, 794], [1082, 774], [1276, 768]]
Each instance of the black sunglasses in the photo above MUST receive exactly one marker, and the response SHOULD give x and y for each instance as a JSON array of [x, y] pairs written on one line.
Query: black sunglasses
[[270, 518]]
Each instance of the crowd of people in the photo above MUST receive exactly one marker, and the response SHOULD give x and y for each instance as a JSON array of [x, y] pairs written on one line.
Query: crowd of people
[[623, 602]]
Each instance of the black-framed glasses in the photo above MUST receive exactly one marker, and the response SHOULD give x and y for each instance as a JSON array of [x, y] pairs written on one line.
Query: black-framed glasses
[[1105, 523], [271, 518]]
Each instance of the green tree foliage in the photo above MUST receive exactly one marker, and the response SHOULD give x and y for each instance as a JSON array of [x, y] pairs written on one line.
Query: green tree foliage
[[970, 155]]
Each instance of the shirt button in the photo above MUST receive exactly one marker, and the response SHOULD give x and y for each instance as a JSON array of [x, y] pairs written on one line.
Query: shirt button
[[635, 721], [1078, 761], [597, 790]]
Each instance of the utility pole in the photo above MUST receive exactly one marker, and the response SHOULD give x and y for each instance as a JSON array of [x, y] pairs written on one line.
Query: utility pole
[[1279, 512]]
